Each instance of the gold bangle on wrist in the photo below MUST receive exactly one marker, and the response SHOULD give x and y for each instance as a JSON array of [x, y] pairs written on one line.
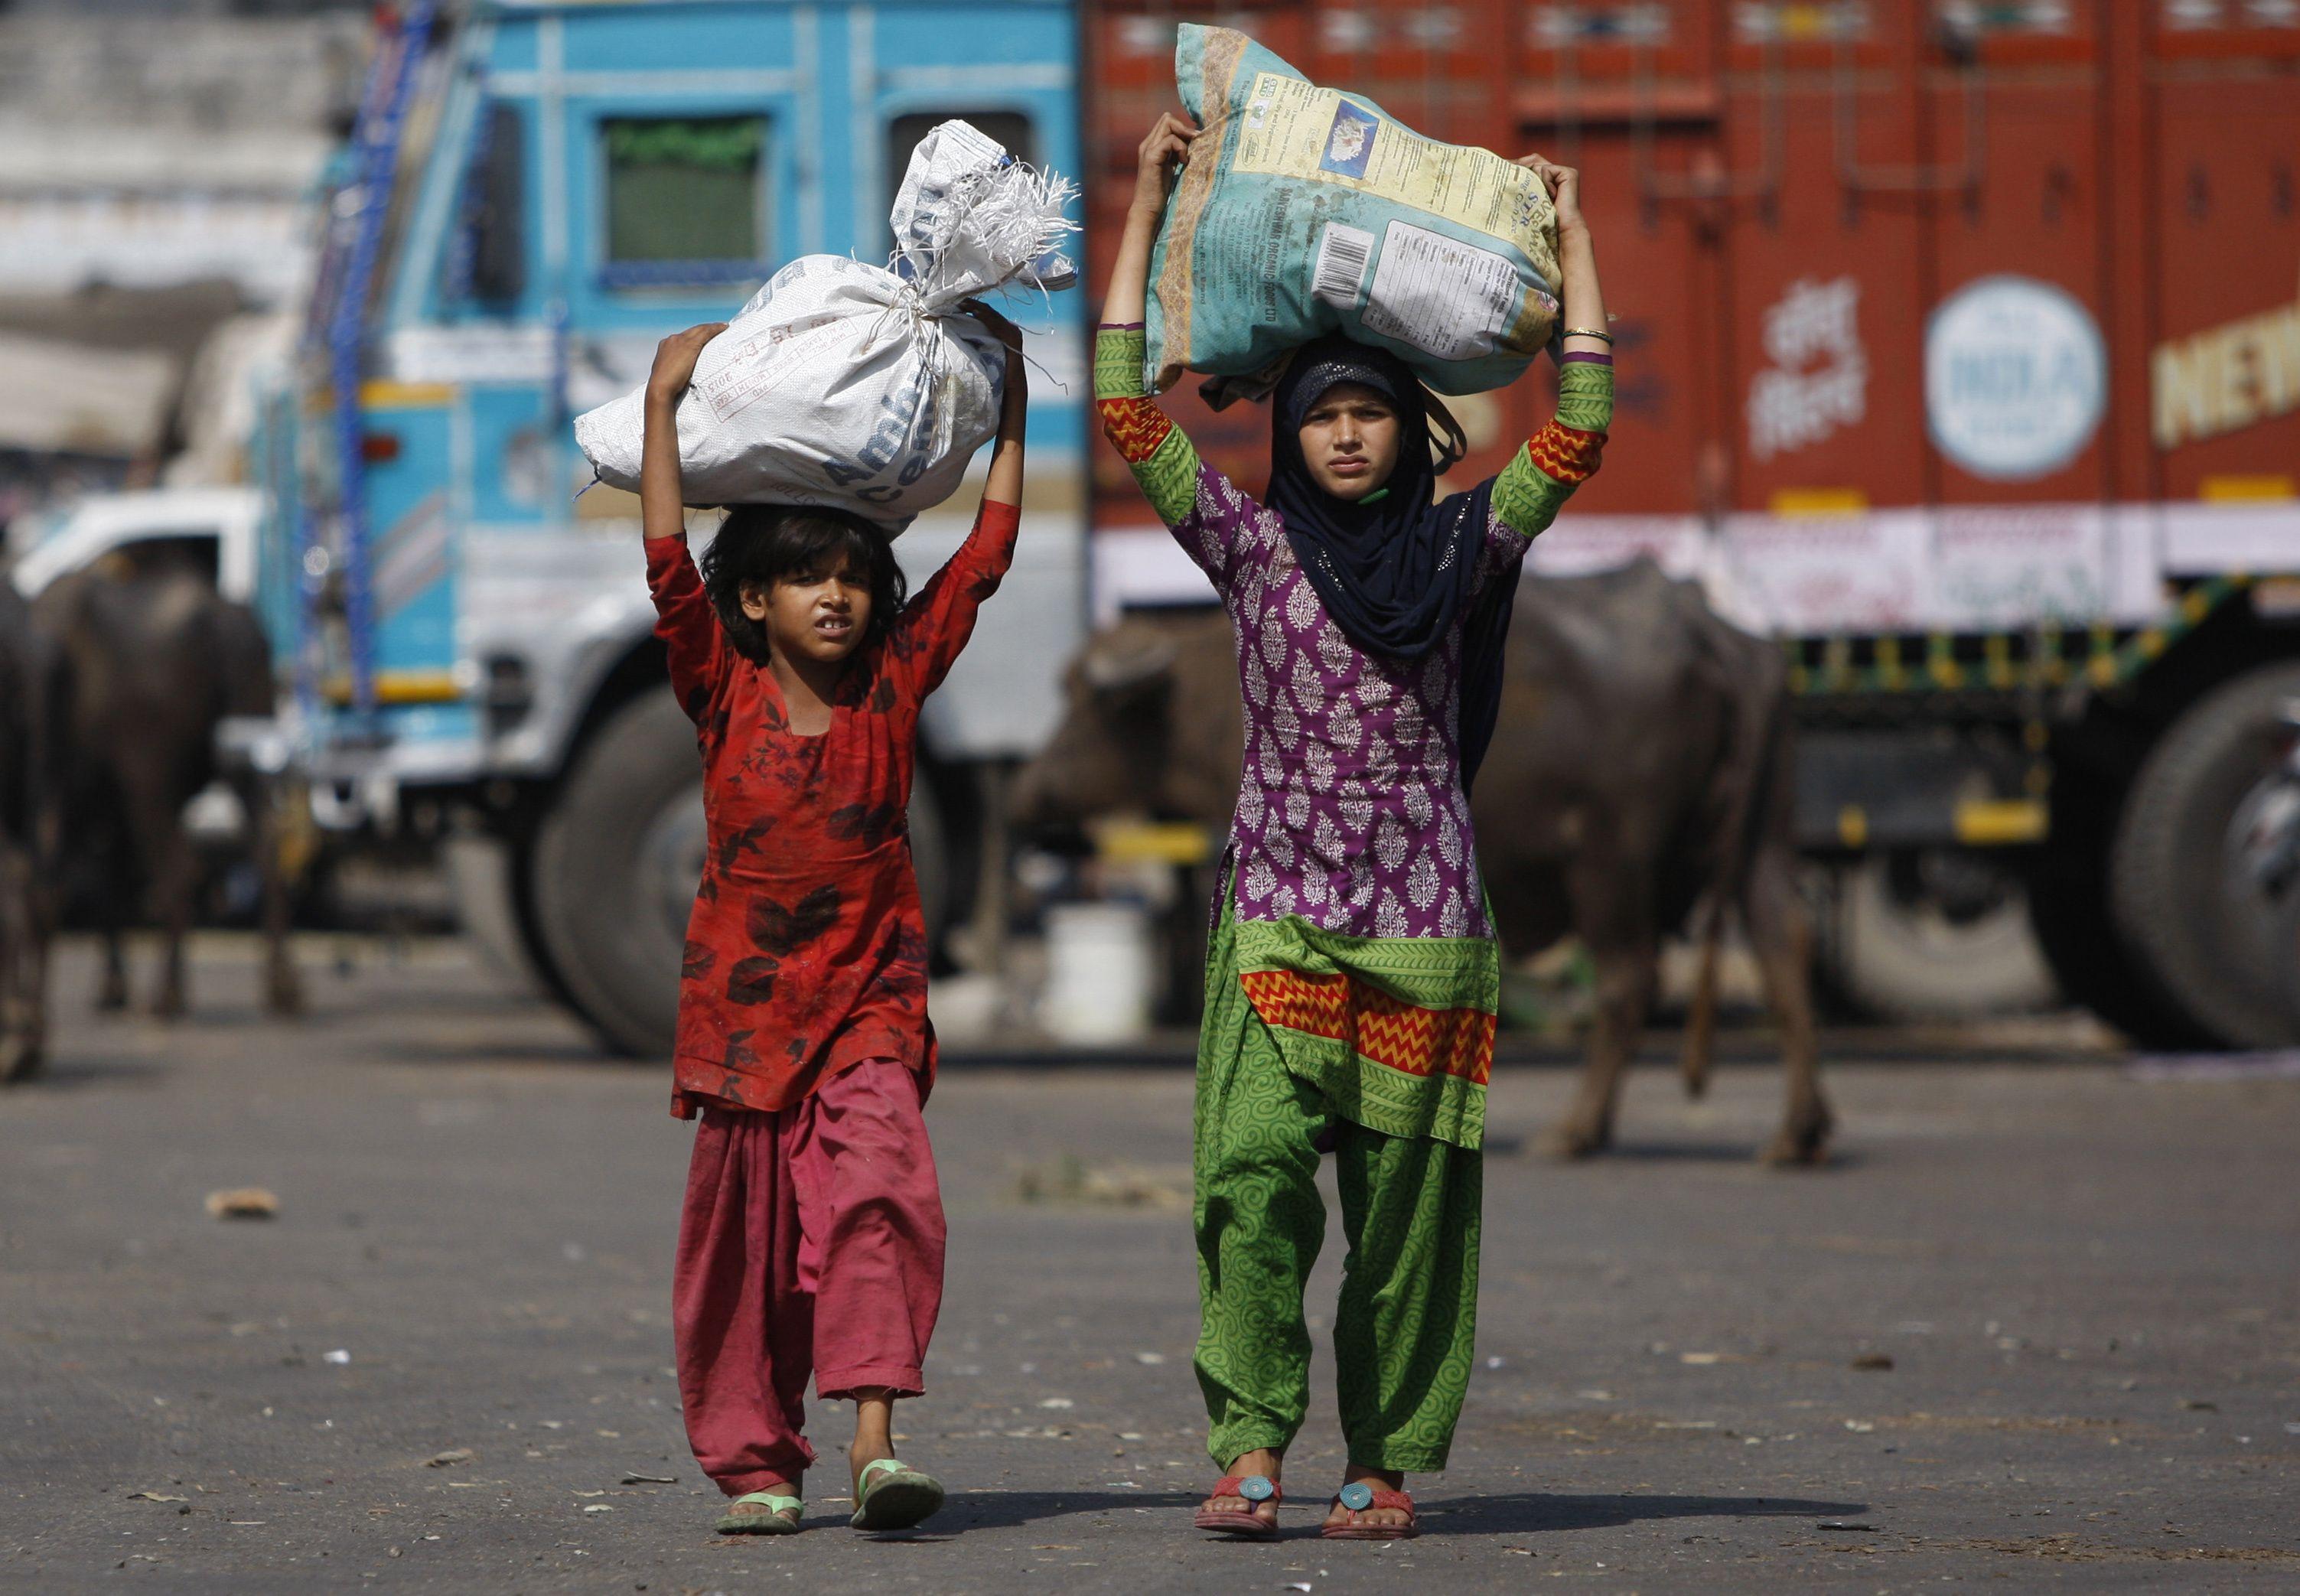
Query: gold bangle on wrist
[[1587, 332]]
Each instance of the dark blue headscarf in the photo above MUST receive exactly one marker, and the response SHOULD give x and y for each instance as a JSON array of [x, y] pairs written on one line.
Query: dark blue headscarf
[[1396, 573]]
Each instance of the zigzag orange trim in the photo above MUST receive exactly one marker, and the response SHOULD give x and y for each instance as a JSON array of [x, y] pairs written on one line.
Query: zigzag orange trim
[[1456, 1041], [1566, 454], [1135, 425]]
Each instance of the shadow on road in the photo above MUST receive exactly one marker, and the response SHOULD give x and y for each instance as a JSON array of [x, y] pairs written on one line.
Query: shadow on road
[[79, 1074], [1518, 1513], [1532, 1512], [1713, 1152]]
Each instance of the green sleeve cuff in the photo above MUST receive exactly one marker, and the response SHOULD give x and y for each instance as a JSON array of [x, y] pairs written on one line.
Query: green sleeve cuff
[[1585, 397], [1119, 356]]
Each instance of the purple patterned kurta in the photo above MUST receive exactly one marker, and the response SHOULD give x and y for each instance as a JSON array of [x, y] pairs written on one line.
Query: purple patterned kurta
[[1350, 809]]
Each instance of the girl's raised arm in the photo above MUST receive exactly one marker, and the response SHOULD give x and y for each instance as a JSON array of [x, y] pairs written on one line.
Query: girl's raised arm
[[684, 618], [1004, 484], [1214, 529], [934, 626], [1167, 146], [661, 510], [1565, 452]]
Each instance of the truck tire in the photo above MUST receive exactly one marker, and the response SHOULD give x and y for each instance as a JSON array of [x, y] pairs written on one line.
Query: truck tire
[[2205, 937], [1905, 953], [478, 868], [614, 867]]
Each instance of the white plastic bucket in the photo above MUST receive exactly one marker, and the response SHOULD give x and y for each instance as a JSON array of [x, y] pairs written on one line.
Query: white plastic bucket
[[1099, 970]]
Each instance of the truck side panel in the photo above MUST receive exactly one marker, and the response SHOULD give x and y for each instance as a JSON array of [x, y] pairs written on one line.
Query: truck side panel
[[2001, 324]]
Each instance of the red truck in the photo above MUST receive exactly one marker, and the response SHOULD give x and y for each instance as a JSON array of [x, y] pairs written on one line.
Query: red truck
[[1959, 348]]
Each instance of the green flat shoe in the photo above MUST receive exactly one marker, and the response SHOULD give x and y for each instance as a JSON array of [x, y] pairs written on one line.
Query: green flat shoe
[[772, 1522], [894, 1496]]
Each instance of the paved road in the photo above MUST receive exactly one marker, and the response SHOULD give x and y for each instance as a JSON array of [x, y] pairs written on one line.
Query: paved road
[[2083, 1284]]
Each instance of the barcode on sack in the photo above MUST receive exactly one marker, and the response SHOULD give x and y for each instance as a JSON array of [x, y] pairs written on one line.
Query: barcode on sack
[[1342, 256]]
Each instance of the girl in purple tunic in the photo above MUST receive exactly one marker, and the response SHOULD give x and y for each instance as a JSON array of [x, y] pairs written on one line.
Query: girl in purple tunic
[[1353, 978]]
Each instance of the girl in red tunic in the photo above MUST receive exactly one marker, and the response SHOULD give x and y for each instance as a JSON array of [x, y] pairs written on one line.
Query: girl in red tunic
[[811, 1237]]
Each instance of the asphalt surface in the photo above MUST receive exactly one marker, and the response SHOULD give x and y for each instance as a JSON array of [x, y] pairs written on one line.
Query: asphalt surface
[[2038, 1323]]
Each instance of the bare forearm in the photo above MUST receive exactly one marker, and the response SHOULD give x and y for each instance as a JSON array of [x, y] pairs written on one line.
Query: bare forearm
[[1004, 485], [1584, 301], [1129, 277], [662, 512]]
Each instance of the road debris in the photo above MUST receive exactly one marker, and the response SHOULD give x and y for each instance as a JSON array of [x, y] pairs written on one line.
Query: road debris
[[650, 1479], [242, 1203], [461, 1454], [1874, 1361], [340, 1355], [1070, 1180]]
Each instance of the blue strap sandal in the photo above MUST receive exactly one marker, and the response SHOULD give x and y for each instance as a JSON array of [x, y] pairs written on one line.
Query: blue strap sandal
[[890, 1495], [1254, 1490], [780, 1518]]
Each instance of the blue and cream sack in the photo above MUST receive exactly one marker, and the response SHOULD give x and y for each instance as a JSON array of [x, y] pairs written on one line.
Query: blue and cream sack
[[1305, 210]]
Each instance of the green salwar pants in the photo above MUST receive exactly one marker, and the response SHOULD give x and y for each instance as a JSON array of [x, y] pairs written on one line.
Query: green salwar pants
[[1404, 1329]]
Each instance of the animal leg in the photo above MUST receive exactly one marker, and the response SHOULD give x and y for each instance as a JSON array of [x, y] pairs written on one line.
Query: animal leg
[[171, 852], [1611, 908], [1625, 983], [1782, 931], [111, 991], [20, 968], [283, 986]]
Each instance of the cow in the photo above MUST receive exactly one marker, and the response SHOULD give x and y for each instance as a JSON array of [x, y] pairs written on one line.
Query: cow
[[156, 661], [30, 761], [1640, 772]]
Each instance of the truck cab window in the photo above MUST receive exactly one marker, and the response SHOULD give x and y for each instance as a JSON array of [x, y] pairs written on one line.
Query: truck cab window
[[686, 199], [1010, 127]]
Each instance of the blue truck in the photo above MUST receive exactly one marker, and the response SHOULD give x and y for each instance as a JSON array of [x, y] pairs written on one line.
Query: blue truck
[[535, 192]]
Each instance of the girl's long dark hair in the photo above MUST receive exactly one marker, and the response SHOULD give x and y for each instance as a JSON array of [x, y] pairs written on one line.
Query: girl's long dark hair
[[766, 543]]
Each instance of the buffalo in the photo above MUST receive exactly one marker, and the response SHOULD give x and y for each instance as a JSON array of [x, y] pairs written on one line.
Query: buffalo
[[1641, 773], [156, 661]]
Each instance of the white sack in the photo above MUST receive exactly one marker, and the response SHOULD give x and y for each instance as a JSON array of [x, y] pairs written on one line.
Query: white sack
[[861, 387]]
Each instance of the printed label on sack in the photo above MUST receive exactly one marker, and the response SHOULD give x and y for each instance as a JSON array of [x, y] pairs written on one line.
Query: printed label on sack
[[1343, 253], [1451, 299], [1296, 129]]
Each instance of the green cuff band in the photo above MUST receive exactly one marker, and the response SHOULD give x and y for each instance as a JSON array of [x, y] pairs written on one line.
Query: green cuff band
[[1118, 357], [1585, 397]]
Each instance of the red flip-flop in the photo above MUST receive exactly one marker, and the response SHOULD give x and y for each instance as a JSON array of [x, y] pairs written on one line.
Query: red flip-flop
[[1252, 1526], [1359, 1497]]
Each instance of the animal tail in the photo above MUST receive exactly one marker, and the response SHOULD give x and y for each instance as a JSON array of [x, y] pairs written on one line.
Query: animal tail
[[1761, 722]]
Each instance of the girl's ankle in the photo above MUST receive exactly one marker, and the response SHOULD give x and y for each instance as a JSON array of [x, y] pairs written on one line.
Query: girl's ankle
[[1261, 1460]]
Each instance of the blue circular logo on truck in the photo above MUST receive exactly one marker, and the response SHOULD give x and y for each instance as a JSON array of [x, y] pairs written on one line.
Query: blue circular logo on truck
[[2016, 378]]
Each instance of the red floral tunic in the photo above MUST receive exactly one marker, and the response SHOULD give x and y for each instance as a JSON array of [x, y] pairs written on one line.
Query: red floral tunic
[[807, 950]]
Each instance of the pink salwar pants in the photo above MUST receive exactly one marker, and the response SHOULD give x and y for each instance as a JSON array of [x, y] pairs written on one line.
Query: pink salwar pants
[[810, 1243]]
